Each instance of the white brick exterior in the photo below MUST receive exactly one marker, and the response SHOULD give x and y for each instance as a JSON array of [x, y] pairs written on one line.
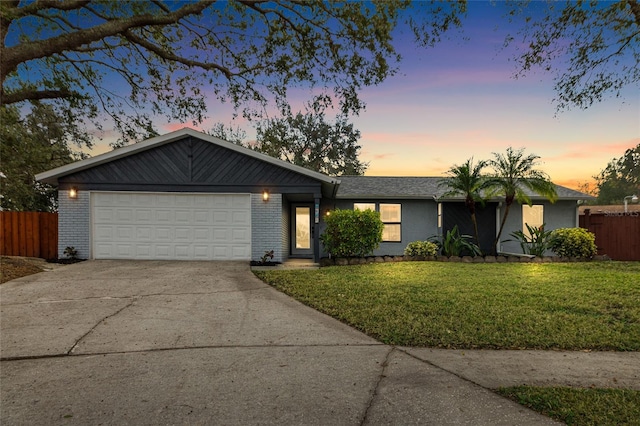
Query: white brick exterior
[[74, 223], [266, 226]]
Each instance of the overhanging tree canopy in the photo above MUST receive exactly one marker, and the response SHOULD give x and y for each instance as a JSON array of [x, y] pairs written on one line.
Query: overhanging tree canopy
[[592, 47], [171, 55]]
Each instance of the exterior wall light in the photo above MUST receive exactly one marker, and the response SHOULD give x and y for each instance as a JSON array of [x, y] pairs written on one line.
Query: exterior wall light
[[73, 192], [633, 198], [265, 196]]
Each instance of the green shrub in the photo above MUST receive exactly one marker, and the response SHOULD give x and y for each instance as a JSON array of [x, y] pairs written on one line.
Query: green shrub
[[455, 244], [574, 242], [421, 248], [352, 233], [536, 243]]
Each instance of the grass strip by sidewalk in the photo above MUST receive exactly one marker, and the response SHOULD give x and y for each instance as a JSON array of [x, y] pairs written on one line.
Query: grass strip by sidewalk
[[571, 306], [580, 406]]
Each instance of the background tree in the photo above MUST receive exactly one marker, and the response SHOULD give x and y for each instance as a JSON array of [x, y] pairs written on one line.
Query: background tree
[[620, 178], [592, 47], [310, 141], [229, 133], [467, 180], [41, 141], [170, 55], [513, 174]]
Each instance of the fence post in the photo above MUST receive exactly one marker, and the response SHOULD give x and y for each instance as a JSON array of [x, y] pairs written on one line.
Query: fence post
[[587, 218]]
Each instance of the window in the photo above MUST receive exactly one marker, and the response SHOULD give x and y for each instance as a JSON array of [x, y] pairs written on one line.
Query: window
[[364, 206], [532, 216], [391, 214]]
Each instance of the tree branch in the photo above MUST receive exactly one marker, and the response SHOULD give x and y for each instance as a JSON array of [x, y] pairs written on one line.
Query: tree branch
[[15, 55], [34, 95], [165, 54]]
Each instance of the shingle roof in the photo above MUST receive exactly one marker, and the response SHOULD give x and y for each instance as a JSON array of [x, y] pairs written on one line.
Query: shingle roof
[[371, 187], [387, 187]]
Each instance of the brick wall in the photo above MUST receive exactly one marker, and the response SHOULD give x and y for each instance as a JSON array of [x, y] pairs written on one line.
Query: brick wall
[[74, 227], [266, 226]]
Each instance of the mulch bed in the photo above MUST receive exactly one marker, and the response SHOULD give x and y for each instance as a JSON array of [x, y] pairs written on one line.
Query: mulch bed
[[12, 267], [16, 267]]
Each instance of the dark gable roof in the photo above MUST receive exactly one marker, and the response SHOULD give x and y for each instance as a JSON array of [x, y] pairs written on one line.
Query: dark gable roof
[[52, 176], [380, 187]]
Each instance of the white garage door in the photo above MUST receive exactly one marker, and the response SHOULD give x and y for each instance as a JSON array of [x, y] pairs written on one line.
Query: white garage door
[[171, 226]]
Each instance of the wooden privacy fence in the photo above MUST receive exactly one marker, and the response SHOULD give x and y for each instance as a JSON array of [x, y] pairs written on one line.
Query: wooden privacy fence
[[32, 234], [617, 234]]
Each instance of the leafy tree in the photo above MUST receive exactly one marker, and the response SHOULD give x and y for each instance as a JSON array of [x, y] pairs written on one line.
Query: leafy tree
[[308, 140], [620, 178], [169, 56], [467, 180], [513, 174], [32, 145], [229, 133], [593, 47]]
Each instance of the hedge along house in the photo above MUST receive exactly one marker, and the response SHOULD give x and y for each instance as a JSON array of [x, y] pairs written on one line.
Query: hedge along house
[[190, 196]]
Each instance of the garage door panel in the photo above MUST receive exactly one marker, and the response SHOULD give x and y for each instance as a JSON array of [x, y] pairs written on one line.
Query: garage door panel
[[124, 215], [162, 251], [171, 226], [240, 235], [164, 216], [143, 251], [144, 233], [143, 215], [103, 232], [239, 217], [124, 233]]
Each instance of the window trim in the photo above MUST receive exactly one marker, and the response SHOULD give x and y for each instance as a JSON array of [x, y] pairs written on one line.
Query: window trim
[[378, 209]]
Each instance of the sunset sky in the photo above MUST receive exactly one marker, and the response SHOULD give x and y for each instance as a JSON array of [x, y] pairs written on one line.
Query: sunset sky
[[460, 100]]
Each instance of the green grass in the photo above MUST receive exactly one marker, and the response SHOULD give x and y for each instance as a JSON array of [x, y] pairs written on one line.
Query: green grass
[[591, 305], [580, 406]]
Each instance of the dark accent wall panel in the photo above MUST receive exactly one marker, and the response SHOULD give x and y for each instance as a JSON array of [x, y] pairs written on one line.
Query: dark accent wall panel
[[190, 161], [214, 164], [457, 214], [165, 164]]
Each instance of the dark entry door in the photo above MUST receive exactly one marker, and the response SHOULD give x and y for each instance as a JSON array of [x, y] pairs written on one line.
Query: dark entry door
[[302, 230], [457, 214]]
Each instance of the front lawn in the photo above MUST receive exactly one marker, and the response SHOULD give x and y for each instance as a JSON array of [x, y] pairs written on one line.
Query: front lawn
[[580, 406], [591, 305]]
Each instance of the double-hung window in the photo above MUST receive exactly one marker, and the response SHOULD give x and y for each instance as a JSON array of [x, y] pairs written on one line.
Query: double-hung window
[[391, 216]]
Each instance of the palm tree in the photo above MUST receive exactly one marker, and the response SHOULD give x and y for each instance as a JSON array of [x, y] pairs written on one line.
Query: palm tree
[[513, 173], [467, 180]]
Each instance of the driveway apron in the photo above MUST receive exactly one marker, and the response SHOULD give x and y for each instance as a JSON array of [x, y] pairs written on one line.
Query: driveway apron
[[150, 342]]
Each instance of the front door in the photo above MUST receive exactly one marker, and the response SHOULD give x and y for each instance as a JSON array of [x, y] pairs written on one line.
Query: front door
[[302, 230]]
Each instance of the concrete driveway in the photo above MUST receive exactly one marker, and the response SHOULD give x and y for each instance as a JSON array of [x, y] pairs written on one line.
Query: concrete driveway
[[146, 342]]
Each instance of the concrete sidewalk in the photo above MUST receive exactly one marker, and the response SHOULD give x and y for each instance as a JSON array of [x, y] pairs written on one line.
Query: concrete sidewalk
[[129, 342]]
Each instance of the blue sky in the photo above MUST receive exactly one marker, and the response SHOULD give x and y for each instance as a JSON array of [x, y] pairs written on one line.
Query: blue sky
[[460, 99]]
